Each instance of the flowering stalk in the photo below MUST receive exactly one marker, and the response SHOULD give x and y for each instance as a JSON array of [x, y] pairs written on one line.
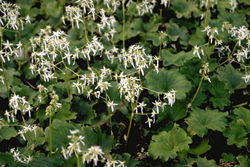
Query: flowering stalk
[[4, 76], [133, 106], [123, 22], [50, 135]]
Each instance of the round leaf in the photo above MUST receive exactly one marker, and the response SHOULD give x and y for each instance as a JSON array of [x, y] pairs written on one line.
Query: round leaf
[[166, 144], [167, 80]]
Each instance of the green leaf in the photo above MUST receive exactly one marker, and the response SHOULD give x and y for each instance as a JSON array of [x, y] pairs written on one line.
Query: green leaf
[[243, 114], [154, 37], [235, 18], [5, 158], [96, 138], [203, 162], [198, 38], [7, 132], [84, 110], [236, 134], [200, 121], [244, 161], [12, 80], [176, 59], [150, 26], [127, 159], [201, 148], [167, 80], [232, 77], [228, 157], [45, 161], [38, 139], [221, 96], [64, 113], [174, 113], [136, 27], [174, 32], [165, 145], [184, 8]]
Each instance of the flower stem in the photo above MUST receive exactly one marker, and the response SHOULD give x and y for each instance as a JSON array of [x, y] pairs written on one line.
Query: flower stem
[[130, 124], [4, 76], [77, 159], [123, 22], [50, 136]]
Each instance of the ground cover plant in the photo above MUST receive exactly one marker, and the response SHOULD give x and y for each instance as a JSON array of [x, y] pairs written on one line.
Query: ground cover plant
[[124, 83]]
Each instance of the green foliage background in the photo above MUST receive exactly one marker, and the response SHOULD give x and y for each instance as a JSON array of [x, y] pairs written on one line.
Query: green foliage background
[[208, 125]]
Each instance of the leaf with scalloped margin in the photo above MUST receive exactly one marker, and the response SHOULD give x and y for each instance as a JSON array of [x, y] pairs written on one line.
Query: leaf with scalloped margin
[[200, 121], [236, 134], [221, 96], [203, 162], [176, 59], [7, 132], [232, 77], [244, 161], [201, 148], [84, 110], [165, 145], [127, 159], [227, 157], [166, 80], [12, 79], [174, 32], [243, 114], [174, 113], [184, 8]]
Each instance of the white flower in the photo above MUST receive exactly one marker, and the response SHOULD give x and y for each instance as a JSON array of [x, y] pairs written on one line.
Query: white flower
[[246, 78], [157, 105], [141, 105], [196, 51], [111, 104], [149, 122]]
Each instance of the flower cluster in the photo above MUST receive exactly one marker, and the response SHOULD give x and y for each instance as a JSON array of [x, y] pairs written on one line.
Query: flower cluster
[[170, 96], [10, 16], [53, 105], [129, 87], [19, 157], [74, 145], [30, 128], [92, 48], [94, 153], [9, 50], [17, 103], [204, 70], [99, 78]]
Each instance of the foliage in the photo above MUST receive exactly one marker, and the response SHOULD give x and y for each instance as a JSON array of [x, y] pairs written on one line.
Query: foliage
[[124, 83]]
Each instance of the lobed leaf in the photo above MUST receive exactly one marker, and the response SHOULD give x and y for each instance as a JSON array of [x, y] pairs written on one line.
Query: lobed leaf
[[167, 80], [165, 145], [200, 121]]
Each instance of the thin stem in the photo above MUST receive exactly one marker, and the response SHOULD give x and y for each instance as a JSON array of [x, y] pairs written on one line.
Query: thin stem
[[123, 22], [50, 135], [4, 76], [130, 124], [87, 40], [110, 120], [197, 90], [77, 159], [207, 18], [231, 55]]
